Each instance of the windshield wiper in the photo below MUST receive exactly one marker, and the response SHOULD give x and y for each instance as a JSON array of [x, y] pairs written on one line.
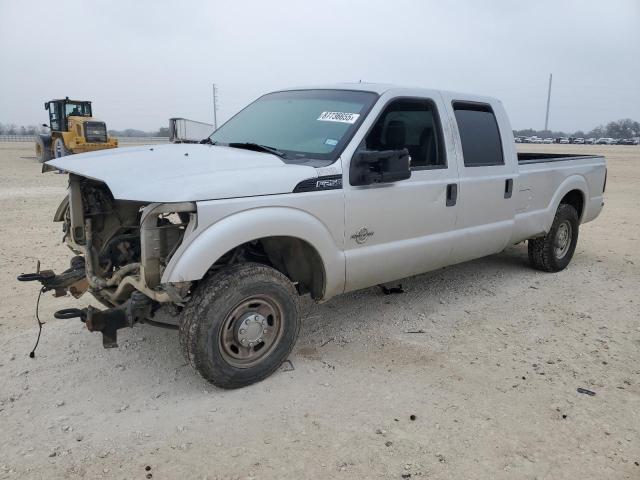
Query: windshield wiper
[[256, 147]]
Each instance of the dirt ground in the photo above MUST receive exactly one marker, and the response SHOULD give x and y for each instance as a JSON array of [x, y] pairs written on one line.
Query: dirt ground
[[487, 389]]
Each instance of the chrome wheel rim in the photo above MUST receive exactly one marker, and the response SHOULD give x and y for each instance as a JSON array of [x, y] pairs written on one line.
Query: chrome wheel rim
[[562, 240], [251, 331]]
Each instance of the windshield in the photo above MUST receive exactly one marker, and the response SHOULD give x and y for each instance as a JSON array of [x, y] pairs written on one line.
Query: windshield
[[301, 124], [77, 109]]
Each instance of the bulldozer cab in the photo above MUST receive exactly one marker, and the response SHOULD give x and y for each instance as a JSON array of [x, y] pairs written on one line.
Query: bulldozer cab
[[61, 110]]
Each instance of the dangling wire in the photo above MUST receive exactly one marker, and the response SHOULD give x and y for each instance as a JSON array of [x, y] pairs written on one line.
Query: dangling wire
[[40, 324]]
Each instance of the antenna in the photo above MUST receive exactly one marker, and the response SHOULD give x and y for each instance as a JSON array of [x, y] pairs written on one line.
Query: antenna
[[546, 118], [215, 106]]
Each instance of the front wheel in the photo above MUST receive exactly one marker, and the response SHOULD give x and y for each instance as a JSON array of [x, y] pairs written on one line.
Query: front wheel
[[240, 325], [43, 150], [554, 251]]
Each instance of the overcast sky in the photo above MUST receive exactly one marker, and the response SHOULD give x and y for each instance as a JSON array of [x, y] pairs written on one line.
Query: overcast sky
[[142, 62]]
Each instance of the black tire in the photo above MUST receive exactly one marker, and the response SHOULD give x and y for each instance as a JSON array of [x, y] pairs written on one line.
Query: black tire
[[43, 148], [550, 253], [210, 324]]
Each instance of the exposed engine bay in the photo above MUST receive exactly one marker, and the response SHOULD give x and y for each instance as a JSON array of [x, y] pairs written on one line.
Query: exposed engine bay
[[126, 245], [122, 249]]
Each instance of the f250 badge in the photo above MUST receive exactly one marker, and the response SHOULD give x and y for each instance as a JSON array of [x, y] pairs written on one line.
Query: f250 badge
[[362, 235], [329, 183]]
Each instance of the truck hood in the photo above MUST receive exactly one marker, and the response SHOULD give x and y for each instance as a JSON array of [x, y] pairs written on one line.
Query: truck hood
[[186, 172]]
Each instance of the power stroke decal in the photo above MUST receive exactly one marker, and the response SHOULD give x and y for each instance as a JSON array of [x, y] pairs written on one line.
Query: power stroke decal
[[327, 182], [362, 235]]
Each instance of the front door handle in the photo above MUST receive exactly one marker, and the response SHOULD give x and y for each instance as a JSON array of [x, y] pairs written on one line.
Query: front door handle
[[452, 194], [508, 188]]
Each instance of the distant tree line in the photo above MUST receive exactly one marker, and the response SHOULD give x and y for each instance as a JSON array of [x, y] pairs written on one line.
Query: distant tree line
[[132, 132], [625, 128], [13, 129]]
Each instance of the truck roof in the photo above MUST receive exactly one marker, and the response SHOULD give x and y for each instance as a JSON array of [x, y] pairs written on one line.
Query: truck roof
[[395, 90], [69, 100]]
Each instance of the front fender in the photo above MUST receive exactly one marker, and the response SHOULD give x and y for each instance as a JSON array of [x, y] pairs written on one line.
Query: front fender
[[197, 254]]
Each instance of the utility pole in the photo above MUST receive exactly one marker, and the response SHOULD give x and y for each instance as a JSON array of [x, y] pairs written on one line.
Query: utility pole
[[546, 118], [215, 107]]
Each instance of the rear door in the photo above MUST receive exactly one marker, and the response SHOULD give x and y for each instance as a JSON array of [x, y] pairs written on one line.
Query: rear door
[[399, 229], [486, 209]]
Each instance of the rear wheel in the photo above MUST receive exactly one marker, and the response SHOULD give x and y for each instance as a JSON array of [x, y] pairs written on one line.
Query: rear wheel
[[59, 150], [43, 152], [240, 324], [554, 251]]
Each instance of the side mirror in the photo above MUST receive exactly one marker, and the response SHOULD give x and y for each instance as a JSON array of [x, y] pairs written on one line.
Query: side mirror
[[370, 166]]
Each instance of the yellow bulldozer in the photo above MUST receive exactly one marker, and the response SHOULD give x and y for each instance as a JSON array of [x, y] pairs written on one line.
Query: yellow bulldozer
[[73, 130]]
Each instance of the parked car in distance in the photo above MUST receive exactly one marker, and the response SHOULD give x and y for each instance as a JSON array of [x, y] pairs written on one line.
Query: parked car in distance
[[590, 141], [318, 192], [606, 141], [548, 140], [629, 141], [564, 140], [579, 141], [536, 140]]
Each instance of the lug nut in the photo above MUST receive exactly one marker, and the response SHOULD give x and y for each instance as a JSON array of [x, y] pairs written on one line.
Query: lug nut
[[264, 331], [242, 330]]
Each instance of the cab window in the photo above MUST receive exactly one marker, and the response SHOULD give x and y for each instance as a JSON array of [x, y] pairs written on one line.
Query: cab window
[[77, 109], [54, 116], [479, 134], [412, 124]]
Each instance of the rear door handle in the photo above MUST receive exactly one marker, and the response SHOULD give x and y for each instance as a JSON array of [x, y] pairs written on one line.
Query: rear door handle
[[452, 194], [508, 188]]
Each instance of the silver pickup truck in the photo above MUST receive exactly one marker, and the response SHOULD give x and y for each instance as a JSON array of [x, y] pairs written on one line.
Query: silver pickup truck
[[315, 191]]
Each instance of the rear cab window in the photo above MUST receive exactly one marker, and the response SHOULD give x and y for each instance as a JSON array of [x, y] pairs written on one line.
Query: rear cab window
[[479, 134]]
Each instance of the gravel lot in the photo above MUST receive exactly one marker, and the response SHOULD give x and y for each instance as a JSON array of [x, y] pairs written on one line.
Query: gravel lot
[[487, 389]]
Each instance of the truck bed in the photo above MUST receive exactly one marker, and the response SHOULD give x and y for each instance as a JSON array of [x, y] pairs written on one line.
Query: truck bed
[[542, 181], [526, 157]]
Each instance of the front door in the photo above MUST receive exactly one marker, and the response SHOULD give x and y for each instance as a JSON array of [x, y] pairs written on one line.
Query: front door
[[402, 228]]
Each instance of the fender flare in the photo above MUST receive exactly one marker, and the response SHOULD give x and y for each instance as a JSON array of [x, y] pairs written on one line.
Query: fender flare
[[198, 253], [574, 182]]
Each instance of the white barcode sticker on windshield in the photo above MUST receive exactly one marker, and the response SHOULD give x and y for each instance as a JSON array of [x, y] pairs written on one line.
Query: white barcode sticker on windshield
[[342, 117]]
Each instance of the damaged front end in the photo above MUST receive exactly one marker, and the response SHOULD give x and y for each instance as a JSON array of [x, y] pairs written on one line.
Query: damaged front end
[[122, 248]]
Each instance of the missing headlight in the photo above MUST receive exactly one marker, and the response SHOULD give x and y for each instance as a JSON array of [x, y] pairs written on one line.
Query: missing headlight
[[162, 229]]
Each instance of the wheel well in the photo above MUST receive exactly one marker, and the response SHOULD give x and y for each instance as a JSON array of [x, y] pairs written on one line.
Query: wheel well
[[575, 198], [295, 258]]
